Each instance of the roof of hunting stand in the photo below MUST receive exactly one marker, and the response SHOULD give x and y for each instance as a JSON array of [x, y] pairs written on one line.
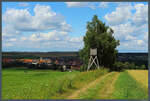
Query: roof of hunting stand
[[93, 51]]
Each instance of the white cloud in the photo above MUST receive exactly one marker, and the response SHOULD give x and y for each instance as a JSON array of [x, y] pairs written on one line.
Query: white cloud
[[44, 30], [123, 13], [145, 38], [120, 15], [12, 39], [76, 39], [23, 38], [131, 28], [87, 4], [81, 4], [129, 37], [53, 36], [132, 38], [126, 31], [49, 30], [8, 45], [50, 41], [103, 4], [134, 45], [141, 15], [20, 20], [140, 42], [23, 4]]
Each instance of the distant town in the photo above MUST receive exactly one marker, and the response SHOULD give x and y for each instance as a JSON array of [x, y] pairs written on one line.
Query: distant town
[[57, 60]]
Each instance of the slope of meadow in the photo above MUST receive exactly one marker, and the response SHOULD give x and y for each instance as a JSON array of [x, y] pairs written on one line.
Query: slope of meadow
[[22, 83], [44, 84]]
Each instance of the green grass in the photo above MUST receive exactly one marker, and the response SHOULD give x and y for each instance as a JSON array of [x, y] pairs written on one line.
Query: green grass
[[94, 92], [21, 83], [33, 84], [128, 88]]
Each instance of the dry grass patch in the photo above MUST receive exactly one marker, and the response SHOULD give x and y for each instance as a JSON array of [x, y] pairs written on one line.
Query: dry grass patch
[[140, 75]]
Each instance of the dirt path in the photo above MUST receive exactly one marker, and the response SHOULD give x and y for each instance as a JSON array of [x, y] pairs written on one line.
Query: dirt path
[[106, 92], [75, 94]]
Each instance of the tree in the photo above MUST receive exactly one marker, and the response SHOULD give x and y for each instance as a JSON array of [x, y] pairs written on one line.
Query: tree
[[143, 67], [99, 36]]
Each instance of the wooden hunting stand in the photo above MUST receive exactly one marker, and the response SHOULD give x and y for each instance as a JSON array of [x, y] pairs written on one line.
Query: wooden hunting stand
[[93, 59]]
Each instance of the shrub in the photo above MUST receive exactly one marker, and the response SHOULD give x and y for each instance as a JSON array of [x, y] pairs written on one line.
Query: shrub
[[143, 67], [132, 66], [118, 66]]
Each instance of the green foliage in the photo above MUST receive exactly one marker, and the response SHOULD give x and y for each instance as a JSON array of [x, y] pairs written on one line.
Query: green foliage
[[99, 36], [120, 66], [143, 67], [128, 88], [132, 66]]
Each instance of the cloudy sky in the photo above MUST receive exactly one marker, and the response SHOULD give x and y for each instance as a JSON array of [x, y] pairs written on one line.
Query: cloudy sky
[[60, 26]]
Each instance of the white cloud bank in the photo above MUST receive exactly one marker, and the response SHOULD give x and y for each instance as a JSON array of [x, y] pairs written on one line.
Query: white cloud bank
[[27, 31], [81, 4], [47, 30], [23, 4], [44, 19], [87, 4], [131, 28], [103, 4]]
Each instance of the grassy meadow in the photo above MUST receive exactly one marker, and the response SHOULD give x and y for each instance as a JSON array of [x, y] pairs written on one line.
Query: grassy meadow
[[43, 84], [126, 87], [22, 83]]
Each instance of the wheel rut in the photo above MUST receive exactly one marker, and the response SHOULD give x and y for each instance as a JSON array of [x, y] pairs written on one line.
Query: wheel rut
[[107, 91], [82, 90]]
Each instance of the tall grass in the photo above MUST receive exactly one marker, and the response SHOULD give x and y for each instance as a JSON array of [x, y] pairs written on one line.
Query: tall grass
[[127, 87], [76, 82], [86, 77], [141, 76], [44, 84]]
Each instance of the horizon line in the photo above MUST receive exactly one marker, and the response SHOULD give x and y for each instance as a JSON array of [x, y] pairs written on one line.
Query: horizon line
[[66, 51]]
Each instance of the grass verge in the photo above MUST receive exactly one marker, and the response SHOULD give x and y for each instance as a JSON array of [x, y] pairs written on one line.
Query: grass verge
[[127, 87]]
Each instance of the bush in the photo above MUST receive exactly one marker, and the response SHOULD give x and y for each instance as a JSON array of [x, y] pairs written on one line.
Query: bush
[[119, 66], [143, 67], [31, 66], [132, 66]]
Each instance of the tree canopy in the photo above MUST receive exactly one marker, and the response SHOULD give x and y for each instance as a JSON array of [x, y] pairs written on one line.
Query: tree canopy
[[99, 36]]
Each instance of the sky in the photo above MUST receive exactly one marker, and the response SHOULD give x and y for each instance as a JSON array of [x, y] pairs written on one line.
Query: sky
[[61, 26]]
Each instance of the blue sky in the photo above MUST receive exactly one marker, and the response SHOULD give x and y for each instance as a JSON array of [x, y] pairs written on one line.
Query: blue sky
[[60, 26]]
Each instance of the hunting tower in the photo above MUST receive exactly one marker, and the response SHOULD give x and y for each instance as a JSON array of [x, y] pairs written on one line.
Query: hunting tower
[[93, 59]]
